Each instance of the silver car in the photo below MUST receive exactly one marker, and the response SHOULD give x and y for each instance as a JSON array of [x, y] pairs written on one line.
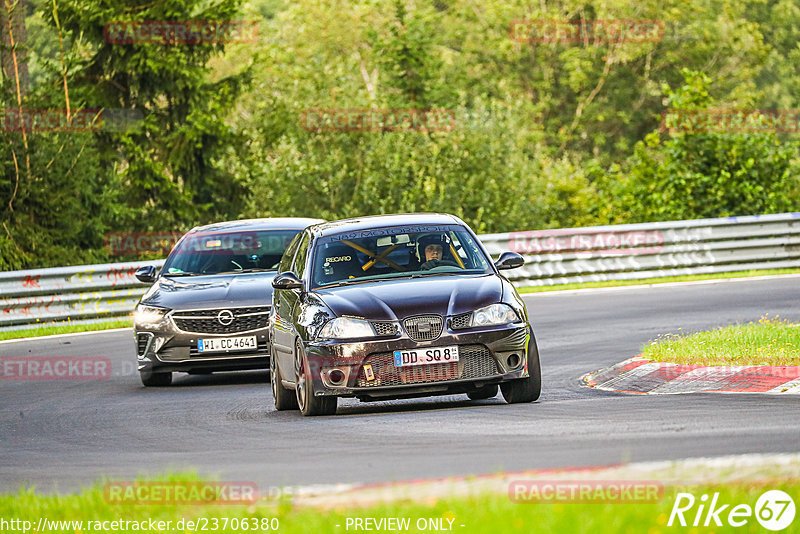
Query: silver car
[[209, 305]]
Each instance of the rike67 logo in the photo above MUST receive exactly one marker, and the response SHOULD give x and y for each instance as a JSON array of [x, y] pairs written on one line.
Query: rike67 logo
[[774, 510]]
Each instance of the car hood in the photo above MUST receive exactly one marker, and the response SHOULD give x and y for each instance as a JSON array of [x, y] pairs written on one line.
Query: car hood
[[212, 291], [391, 300]]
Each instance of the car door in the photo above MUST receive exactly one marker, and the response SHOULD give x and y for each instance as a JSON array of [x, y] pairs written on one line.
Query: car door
[[282, 339], [286, 301]]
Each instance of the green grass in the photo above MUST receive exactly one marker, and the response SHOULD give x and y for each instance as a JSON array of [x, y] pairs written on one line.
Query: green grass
[[488, 513], [768, 342], [664, 280], [64, 328]]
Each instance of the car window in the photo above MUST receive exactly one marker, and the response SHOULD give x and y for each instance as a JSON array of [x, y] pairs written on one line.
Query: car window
[[396, 252], [299, 263], [228, 252], [286, 260]]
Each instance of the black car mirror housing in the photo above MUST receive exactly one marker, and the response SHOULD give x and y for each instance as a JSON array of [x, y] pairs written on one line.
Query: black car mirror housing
[[287, 280], [509, 260], [146, 274]]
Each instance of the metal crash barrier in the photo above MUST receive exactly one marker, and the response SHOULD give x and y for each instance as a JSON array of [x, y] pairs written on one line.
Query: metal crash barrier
[[74, 293], [652, 250], [599, 253]]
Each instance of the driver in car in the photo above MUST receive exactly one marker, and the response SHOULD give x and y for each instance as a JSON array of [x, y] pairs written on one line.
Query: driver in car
[[431, 247]]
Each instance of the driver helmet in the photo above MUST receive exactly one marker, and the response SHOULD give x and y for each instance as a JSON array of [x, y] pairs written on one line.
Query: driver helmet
[[432, 239]]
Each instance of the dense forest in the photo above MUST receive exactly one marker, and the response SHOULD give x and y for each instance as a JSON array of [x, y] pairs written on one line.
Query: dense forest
[[541, 132]]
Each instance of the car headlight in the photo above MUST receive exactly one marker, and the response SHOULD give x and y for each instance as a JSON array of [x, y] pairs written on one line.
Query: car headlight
[[145, 315], [346, 328], [494, 314]]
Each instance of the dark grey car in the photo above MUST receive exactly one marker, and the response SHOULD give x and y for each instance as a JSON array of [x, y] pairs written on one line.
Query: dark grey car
[[209, 306], [397, 306]]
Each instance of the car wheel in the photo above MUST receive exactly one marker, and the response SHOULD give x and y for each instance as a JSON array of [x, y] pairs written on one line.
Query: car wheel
[[284, 398], [151, 379], [529, 388], [308, 403], [486, 392]]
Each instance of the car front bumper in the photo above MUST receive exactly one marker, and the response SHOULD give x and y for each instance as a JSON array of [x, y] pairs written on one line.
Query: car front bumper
[[365, 369], [166, 348]]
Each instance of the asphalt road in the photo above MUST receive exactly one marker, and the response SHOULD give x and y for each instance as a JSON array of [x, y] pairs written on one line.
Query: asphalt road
[[61, 435]]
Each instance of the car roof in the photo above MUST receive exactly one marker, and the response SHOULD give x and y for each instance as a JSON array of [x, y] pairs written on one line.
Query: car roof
[[272, 223], [382, 221]]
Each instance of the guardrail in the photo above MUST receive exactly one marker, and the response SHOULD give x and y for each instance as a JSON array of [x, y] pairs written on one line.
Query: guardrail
[[60, 293], [652, 250], [620, 252]]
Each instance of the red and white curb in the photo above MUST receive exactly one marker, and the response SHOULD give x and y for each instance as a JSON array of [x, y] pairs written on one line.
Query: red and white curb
[[749, 468], [639, 375]]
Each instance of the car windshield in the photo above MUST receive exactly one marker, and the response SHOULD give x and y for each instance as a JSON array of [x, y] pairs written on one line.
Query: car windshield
[[228, 252], [396, 252]]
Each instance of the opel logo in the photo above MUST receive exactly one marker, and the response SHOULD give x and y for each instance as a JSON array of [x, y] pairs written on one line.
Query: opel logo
[[225, 317]]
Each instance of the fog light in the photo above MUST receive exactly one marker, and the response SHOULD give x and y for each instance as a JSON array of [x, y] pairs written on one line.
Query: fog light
[[513, 361]]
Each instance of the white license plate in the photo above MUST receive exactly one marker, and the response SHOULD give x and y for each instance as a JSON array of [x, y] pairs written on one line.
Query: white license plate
[[407, 358], [227, 344]]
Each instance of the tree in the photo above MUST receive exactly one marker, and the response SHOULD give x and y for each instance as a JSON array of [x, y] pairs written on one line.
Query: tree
[[698, 174], [171, 161]]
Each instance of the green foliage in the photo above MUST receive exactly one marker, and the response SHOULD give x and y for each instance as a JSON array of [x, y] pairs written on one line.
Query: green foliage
[[476, 171], [171, 162], [697, 174], [546, 134], [411, 67], [166, 172]]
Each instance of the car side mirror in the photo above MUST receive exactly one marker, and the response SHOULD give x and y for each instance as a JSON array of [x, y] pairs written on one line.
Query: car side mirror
[[287, 280], [146, 274], [509, 260]]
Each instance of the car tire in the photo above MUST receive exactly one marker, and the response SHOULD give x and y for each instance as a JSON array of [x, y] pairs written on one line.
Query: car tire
[[308, 403], [485, 392], [529, 388], [285, 399], [159, 380]]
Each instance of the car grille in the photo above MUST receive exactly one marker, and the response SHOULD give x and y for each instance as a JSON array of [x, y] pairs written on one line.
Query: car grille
[[459, 322], [205, 321], [385, 329], [475, 361], [423, 327]]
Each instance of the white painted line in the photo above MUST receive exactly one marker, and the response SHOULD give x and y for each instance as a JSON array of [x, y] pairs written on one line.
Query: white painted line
[[701, 380], [620, 383], [54, 336], [557, 293], [592, 376], [792, 387]]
